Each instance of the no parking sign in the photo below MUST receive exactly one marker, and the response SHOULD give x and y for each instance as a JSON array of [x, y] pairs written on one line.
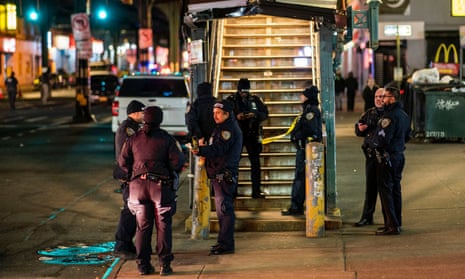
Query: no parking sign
[[81, 26]]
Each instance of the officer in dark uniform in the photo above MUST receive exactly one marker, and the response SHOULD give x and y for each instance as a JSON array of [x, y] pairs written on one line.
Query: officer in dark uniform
[[250, 112], [199, 118], [151, 161], [126, 230], [222, 164], [308, 128], [366, 128], [11, 84], [392, 133]]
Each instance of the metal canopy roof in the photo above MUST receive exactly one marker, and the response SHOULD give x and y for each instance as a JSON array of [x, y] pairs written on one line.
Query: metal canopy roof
[[201, 10]]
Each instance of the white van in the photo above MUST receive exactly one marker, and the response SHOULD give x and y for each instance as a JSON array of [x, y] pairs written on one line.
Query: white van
[[170, 93]]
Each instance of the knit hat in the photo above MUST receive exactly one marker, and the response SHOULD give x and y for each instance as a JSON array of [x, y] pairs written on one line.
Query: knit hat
[[225, 105], [134, 106], [153, 115], [312, 94], [243, 84]]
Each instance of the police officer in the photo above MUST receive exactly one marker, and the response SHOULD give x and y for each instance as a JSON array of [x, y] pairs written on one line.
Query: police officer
[[308, 128], [222, 164], [250, 112], [151, 161], [392, 133], [11, 84], [366, 127], [200, 122], [126, 230]]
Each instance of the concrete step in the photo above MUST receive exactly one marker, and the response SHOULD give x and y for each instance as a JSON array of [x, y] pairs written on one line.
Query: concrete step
[[268, 203], [262, 221]]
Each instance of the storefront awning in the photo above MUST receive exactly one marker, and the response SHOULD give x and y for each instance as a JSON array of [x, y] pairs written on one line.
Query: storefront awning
[[201, 10]]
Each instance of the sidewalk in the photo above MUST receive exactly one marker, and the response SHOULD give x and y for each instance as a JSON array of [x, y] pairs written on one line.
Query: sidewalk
[[432, 243]]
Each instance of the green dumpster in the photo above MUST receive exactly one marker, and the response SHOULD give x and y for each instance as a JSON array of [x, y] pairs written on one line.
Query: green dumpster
[[444, 114]]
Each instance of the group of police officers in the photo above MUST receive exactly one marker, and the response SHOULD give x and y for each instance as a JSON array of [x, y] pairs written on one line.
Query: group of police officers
[[149, 162]]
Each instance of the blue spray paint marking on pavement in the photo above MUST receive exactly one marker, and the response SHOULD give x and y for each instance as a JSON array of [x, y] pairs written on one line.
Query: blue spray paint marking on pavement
[[78, 260], [79, 249], [78, 255], [110, 269]]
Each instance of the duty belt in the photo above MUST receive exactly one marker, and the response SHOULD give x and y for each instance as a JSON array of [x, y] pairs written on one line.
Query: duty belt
[[154, 177]]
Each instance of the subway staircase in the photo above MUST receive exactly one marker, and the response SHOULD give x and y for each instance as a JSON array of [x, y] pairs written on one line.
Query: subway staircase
[[278, 55]]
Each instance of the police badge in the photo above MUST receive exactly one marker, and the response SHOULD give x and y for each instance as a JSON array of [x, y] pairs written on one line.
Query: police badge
[[385, 122], [226, 135], [309, 116]]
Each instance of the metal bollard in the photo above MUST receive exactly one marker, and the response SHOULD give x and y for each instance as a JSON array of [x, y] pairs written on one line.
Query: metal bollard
[[201, 207], [315, 189]]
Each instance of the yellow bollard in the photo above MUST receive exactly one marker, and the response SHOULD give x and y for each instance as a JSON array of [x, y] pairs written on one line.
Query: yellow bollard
[[201, 207], [315, 189]]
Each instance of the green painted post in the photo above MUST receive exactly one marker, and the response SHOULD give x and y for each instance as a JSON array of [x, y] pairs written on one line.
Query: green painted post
[[328, 110], [373, 17]]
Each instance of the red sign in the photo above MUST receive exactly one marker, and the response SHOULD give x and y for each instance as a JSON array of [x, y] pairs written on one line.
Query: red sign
[[81, 27]]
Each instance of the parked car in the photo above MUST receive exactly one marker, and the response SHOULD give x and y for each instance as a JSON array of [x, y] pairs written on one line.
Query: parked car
[[170, 93], [102, 88]]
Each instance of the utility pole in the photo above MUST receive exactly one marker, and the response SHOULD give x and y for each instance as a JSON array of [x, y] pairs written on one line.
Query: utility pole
[[80, 25], [145, 34]]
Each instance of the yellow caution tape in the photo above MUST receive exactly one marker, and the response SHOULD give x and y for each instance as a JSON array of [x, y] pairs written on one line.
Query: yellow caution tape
[[274, 138]]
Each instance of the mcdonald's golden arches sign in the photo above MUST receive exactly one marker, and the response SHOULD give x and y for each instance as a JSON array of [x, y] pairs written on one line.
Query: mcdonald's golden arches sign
[[446, 67]]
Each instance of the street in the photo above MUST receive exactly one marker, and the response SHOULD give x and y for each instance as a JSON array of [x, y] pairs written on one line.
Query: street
[[57, 188]]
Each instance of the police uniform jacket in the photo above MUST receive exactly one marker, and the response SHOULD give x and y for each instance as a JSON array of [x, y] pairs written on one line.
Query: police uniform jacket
[[199, 118], [370, 118], [393, 129], [157, 153], [252, 103], [127, 128], [308, 125], [224, 151]]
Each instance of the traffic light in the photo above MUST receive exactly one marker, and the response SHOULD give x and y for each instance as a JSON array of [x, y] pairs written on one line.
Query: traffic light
[[33, 15], [102, 13]]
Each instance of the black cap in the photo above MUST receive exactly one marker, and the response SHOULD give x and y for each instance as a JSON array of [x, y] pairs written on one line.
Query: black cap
[[224, 105], [243, 84], [135, 106], [312, 94], [153, 115]]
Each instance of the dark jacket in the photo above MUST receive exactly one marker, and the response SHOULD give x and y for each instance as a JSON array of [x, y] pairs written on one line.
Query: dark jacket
[[393, 130], [252, 103], [199, 118], [156, 152], [127, 128], [370, 118], [11, 84], [224, 153], [308, 125]]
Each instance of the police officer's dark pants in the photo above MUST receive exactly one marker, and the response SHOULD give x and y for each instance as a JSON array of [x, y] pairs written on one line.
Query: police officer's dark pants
[[126, 226], [398, 163], [12, 98], [152, 200], [298, 186], [371, 189], [253, 150], [224, 198], [389, 191]]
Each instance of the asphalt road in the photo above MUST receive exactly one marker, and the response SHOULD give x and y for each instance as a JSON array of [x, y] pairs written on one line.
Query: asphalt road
[[56, 187]]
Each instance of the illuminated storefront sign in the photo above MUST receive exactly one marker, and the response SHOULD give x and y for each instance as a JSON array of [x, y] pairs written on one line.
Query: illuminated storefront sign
[[457, 7], [8, 45], [410, 30]]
